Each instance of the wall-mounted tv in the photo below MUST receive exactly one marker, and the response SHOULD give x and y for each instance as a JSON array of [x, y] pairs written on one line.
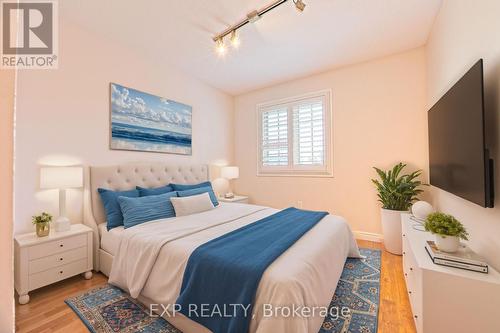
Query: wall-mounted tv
[[458, 158]]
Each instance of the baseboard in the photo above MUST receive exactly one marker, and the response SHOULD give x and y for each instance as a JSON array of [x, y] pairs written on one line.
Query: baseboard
[[368, 236]]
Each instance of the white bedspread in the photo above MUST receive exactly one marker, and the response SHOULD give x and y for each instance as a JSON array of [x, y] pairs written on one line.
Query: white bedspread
[[110, 240], [152, 257]]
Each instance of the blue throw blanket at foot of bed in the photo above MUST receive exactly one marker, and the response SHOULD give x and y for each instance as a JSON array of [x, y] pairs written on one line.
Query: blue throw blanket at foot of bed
[[222, 275]]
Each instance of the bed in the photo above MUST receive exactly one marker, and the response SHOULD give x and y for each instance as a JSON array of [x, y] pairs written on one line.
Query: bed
[[306, 274]]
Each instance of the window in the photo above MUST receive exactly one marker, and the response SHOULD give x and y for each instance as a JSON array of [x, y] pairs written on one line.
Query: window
[[295, 136]]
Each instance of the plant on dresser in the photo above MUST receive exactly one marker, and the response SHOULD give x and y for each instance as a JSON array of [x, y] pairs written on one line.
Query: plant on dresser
[[40, 261], [447, 229], [396, 193], [445, 299], [42, 223]]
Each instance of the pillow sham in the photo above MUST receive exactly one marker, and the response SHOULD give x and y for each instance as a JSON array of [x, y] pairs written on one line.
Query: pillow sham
[[144, 209], [144, 192], [207, 189], [185, 187], [193, 204], [112, 208]]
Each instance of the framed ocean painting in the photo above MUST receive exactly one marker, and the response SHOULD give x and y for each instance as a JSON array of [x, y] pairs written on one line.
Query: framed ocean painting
[[145, 122]]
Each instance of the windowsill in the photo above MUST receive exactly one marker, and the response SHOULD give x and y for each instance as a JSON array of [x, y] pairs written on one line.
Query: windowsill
[[296, 174]]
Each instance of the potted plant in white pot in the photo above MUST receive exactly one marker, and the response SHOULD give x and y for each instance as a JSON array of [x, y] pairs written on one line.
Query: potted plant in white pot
[[448, 231], [396, 193]]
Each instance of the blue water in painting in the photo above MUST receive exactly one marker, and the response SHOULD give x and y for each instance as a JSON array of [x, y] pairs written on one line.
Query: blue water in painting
[[138, 133]]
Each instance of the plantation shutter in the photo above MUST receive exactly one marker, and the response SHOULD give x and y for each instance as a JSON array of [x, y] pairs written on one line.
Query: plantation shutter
[[274, 146], [295, 136], [308, 133]]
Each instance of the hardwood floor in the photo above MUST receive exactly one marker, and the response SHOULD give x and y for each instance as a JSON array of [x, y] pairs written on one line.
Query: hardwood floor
[[395, 314], [46, 312]]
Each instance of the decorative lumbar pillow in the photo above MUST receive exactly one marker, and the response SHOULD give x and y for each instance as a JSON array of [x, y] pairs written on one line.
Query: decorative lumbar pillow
[[192, 204], [144, 192], [144, 209], [112, 207], [195, 191], [185, 187]]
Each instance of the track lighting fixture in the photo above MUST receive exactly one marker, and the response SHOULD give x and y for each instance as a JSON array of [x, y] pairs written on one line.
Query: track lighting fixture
[[220, 48], [252, 17], [300, 5], [235, 40]]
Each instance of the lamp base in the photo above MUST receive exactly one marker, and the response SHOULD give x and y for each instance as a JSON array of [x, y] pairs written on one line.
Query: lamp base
[[62, 224]]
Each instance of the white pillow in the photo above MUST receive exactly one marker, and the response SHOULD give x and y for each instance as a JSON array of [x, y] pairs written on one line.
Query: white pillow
[[192, 204]]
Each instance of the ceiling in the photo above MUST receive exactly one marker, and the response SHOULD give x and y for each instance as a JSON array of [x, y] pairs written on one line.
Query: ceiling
[[283, 45]]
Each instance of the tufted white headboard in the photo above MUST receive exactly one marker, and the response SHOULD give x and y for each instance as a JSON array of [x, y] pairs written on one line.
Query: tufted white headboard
[[128, 176]]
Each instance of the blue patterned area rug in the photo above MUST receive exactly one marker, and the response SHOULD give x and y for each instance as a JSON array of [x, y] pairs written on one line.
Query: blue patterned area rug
[[359, 290], [107, 309]]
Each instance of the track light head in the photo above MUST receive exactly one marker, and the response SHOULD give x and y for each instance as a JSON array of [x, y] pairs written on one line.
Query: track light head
[[253, 16], [235, 40], [300, 5], [220, 48]]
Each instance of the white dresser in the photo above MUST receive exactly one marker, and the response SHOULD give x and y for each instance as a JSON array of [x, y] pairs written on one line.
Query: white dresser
[[445, 299], [40, 261]]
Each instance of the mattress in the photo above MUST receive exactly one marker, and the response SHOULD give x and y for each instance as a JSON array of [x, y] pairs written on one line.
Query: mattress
[[110, 240], [152, 258]]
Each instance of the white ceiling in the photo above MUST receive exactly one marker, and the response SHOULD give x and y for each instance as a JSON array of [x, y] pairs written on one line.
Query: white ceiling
[[283, 45]]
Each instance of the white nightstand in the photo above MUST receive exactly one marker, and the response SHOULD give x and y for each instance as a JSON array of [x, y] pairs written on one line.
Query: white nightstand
[[40, 261], [237, 198]]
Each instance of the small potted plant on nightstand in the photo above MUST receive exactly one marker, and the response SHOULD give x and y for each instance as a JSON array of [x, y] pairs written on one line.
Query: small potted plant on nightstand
[[42, 223], [447, 229], [396, 192]]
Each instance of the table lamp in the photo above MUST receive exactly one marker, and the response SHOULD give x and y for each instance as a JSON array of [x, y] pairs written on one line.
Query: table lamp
[[230, 172], [61, 178]]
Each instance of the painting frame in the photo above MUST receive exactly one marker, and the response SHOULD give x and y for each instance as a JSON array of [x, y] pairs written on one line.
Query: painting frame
[[182, 136]]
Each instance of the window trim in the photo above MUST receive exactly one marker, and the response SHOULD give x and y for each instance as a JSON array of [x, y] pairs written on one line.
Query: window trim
[[290, 170]]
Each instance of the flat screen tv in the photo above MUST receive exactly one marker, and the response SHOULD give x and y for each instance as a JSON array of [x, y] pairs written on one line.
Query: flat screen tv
[[458, 158]]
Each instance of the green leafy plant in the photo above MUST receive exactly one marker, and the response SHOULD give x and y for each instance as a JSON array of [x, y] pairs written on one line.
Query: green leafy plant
[[395, 191], [445, 225], [42, 218]]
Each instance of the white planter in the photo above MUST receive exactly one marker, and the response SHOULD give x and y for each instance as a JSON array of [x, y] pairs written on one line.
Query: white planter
[[391, 228], [447, 243]]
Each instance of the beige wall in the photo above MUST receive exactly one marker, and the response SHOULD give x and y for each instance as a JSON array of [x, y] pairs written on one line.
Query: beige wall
[[63, 115], [463, 32], [378, 120], [7, 84]]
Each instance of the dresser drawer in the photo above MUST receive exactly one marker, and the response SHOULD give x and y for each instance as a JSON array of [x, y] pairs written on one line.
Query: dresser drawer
[[57, 246], [413, 278], [56, 260], [55, 274], [417, 317]]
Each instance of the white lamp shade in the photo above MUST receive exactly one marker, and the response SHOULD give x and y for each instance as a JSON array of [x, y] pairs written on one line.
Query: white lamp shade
[[61, 177], [230, 172]]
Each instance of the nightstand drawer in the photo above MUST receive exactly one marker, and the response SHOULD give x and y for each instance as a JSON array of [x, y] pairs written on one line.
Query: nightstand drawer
[[52, 275], [63, 258], [60, 245]]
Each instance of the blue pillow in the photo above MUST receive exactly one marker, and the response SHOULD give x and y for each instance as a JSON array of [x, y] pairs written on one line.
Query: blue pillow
[[110, 201], [144, 192], [200, 190], [144, 209], [185, 187]]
